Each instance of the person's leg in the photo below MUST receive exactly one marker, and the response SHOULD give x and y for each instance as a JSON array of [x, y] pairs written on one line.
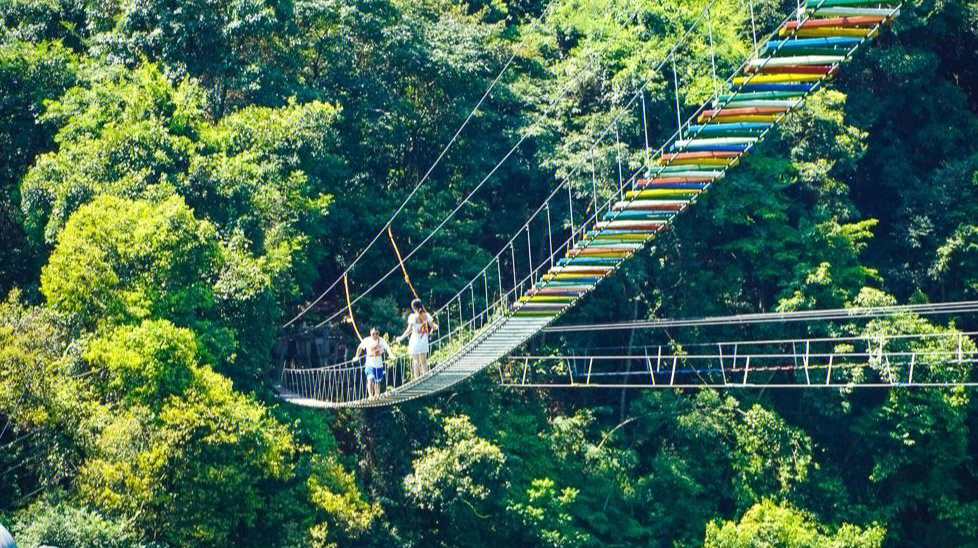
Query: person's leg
[[415, 366], [423, 359]]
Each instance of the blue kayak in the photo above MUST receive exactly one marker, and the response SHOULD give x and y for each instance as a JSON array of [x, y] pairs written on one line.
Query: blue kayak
[[708, 147], [832, 42], [589, 261], [734, 128]]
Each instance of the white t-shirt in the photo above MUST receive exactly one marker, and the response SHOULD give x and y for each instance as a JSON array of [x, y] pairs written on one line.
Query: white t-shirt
[[374, 349]]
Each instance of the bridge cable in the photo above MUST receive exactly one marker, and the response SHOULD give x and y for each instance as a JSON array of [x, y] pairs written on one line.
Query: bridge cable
[[431, 169], [400, 261], [499, 164], [349, 307]]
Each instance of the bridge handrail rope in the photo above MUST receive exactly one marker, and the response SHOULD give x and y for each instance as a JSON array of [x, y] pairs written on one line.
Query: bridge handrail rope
[[689, 121], [499, 164], [716, 101], [531, 275], [452, 214], [679, 130]]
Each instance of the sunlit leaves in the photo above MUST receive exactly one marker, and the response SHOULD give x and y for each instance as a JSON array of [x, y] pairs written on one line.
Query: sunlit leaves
[[777, 526]]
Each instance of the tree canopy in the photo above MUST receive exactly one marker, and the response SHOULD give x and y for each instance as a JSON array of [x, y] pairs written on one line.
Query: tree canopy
[[178, 179]]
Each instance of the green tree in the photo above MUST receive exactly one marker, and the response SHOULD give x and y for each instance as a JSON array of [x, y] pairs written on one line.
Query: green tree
[[120, 261], [191, 463], [29, 75], [769, 525], [457, 482], [58, 521]]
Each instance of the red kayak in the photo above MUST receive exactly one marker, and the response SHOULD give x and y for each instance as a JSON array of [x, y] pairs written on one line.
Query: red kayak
[[855, 21], [742, 111]]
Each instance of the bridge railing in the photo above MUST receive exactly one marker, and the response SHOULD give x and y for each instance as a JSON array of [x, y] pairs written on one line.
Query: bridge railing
[[872, 360]]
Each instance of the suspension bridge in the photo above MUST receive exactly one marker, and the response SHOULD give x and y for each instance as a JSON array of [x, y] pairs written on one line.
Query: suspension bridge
[[558, 257]]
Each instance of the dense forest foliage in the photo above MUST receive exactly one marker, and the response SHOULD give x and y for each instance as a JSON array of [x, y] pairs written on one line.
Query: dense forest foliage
[[178, 178]]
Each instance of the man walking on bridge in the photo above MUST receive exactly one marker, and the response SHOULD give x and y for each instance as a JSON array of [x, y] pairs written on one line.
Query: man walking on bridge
[[373, 367]]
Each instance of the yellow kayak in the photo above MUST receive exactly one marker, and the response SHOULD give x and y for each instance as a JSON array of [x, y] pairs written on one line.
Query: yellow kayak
[[744, 118], [661, 192], [776, 79], [702, 162]]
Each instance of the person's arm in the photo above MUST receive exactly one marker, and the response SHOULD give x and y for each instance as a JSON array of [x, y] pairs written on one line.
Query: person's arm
[[388, 348], [356, 356], [431, 323], [406, 332]]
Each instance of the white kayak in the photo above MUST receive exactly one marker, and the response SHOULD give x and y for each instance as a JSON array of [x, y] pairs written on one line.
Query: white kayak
[[796, 60]]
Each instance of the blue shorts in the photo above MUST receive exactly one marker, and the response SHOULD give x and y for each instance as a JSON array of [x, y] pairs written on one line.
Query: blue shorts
[[375, 374]]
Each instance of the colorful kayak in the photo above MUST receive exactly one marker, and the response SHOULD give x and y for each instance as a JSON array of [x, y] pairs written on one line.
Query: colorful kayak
[[641, 214], [683, 171], [797, 60], [547, 299], [672, 157], [790, 69], [787, 103], [805, 51], [776, 87], [582, 269], [679, 143], [822, 4], [663, 193], [726, 148], [587, 261], [658, 183], [756, 96], [802, 54], [669, 182], [888, 13], [777, 78], [833, 22], [659, 205], [836, 31]]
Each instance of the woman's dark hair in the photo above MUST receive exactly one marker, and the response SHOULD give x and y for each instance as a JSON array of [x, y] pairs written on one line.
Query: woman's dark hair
[[416, 305]]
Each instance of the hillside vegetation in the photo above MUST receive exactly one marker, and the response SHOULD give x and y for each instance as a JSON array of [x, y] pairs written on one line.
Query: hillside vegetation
[[177, 178]]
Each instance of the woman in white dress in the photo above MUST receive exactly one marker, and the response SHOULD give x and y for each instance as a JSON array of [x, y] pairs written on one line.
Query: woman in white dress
[[419, 325]]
